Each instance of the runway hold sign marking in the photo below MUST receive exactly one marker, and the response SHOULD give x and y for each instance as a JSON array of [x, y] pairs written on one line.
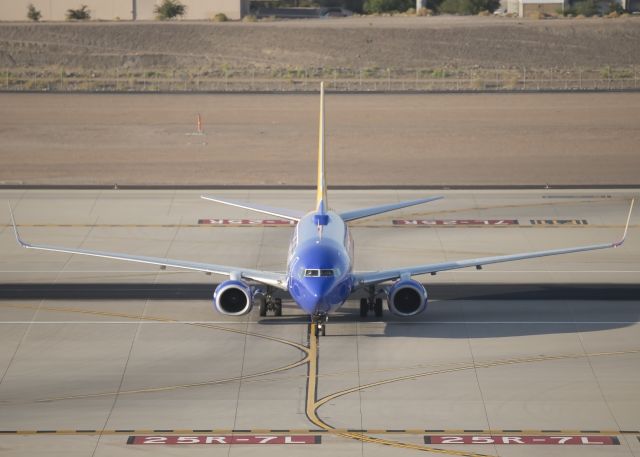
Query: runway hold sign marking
[[246, 222], [224, 439], [558, 222], [450, 222], [523, 439]]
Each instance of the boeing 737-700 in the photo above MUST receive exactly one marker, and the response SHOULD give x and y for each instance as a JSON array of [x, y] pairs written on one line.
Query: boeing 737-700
[[319, 274]]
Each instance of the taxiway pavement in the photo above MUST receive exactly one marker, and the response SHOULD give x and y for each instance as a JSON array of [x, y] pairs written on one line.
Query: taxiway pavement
[[106, 350]]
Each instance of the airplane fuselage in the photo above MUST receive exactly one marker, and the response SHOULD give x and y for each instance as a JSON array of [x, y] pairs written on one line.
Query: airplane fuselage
[[320, 264]]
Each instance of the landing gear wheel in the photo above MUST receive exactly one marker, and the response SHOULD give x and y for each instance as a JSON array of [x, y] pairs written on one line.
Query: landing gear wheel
[[278, 307], [319, 322], [262, 306], [377, 307], [364, 307]]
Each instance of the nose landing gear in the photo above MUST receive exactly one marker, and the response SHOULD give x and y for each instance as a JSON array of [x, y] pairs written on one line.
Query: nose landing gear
[[320, 321]]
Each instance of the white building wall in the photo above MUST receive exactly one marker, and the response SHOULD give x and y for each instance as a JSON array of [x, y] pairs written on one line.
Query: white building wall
[[55, 10]]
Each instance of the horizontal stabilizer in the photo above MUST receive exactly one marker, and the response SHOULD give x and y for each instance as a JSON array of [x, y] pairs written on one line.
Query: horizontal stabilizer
[[290, 214], [366, 212]]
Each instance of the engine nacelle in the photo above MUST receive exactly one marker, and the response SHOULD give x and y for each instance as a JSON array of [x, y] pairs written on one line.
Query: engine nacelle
[[407, 297], [233, 298]]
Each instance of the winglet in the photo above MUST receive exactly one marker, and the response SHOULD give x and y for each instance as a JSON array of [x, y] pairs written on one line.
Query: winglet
[[15, 229], [626, 226]]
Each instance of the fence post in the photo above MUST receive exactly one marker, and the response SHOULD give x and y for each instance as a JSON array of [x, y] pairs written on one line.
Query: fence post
[[580, 78], [524, 78]]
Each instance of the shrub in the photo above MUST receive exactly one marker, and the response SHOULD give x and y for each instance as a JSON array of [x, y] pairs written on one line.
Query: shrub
[[424, 12], [585, 8], [385, 6], [250, 18], [81, 14], [32, 13], [169, 9], [220, 17], [615, 7]]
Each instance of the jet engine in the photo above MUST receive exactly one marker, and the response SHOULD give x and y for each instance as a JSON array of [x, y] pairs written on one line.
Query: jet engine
[[407, 297], [233, 298]]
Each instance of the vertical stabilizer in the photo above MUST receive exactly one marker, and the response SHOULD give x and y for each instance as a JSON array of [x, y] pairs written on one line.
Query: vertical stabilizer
[[321, 195]]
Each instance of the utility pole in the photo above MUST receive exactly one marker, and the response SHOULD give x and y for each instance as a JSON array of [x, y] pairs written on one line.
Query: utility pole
[[134, 10]]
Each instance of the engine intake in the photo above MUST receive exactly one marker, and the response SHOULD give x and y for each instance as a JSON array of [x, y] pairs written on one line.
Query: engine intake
[[233, 298], [407, 297]]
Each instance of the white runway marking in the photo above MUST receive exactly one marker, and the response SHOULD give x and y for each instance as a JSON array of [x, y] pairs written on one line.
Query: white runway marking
[[136, 322], [484, 271]]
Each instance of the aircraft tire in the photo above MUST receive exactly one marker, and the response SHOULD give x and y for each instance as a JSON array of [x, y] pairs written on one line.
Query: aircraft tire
[[377, 307], [364, 307], [262, 306], [278, 311]]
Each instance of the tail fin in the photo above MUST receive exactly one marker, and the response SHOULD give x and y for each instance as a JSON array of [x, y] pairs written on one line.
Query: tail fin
[[321, 194]]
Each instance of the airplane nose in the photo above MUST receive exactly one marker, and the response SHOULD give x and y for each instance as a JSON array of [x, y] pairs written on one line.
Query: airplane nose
[[318, 289]]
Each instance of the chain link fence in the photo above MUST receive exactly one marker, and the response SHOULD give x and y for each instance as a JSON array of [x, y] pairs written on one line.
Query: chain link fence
[[307, 80]]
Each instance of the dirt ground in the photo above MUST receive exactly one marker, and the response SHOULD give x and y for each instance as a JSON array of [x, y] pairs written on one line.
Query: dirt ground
[[358, 42], [272, 139]]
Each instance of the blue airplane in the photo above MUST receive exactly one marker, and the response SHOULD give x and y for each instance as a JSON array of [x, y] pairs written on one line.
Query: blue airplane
[[319, 275]]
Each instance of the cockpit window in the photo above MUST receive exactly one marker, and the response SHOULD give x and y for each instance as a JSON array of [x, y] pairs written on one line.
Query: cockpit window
[[312, 273]]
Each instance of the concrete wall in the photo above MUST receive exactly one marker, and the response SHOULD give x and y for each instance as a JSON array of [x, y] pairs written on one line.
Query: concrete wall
[[55, 10], [198, 9]]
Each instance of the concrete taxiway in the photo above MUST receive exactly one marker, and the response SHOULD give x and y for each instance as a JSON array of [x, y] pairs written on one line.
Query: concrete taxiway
[[93, 352]]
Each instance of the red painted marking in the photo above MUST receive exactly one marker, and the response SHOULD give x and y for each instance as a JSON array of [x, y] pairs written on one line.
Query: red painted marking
[[431, 222], [224, 439], [247, 222], [522, 439]]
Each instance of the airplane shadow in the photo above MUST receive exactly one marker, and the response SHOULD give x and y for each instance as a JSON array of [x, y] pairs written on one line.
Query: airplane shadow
[[454, 311]]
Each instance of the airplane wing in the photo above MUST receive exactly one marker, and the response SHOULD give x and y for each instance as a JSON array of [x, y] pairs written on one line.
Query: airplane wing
[[289, 214], [278, 280], [369, 278], [366, 212]]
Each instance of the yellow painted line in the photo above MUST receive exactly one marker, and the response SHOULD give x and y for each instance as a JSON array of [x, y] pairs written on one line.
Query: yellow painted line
[[289, 366], [312, 406], [490, 364], [315, 432], [382, 224], [422, 214]]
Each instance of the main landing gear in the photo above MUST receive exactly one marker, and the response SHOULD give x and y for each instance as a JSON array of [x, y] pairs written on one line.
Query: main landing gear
[[320, 321], [371, 303], [267, 302]]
